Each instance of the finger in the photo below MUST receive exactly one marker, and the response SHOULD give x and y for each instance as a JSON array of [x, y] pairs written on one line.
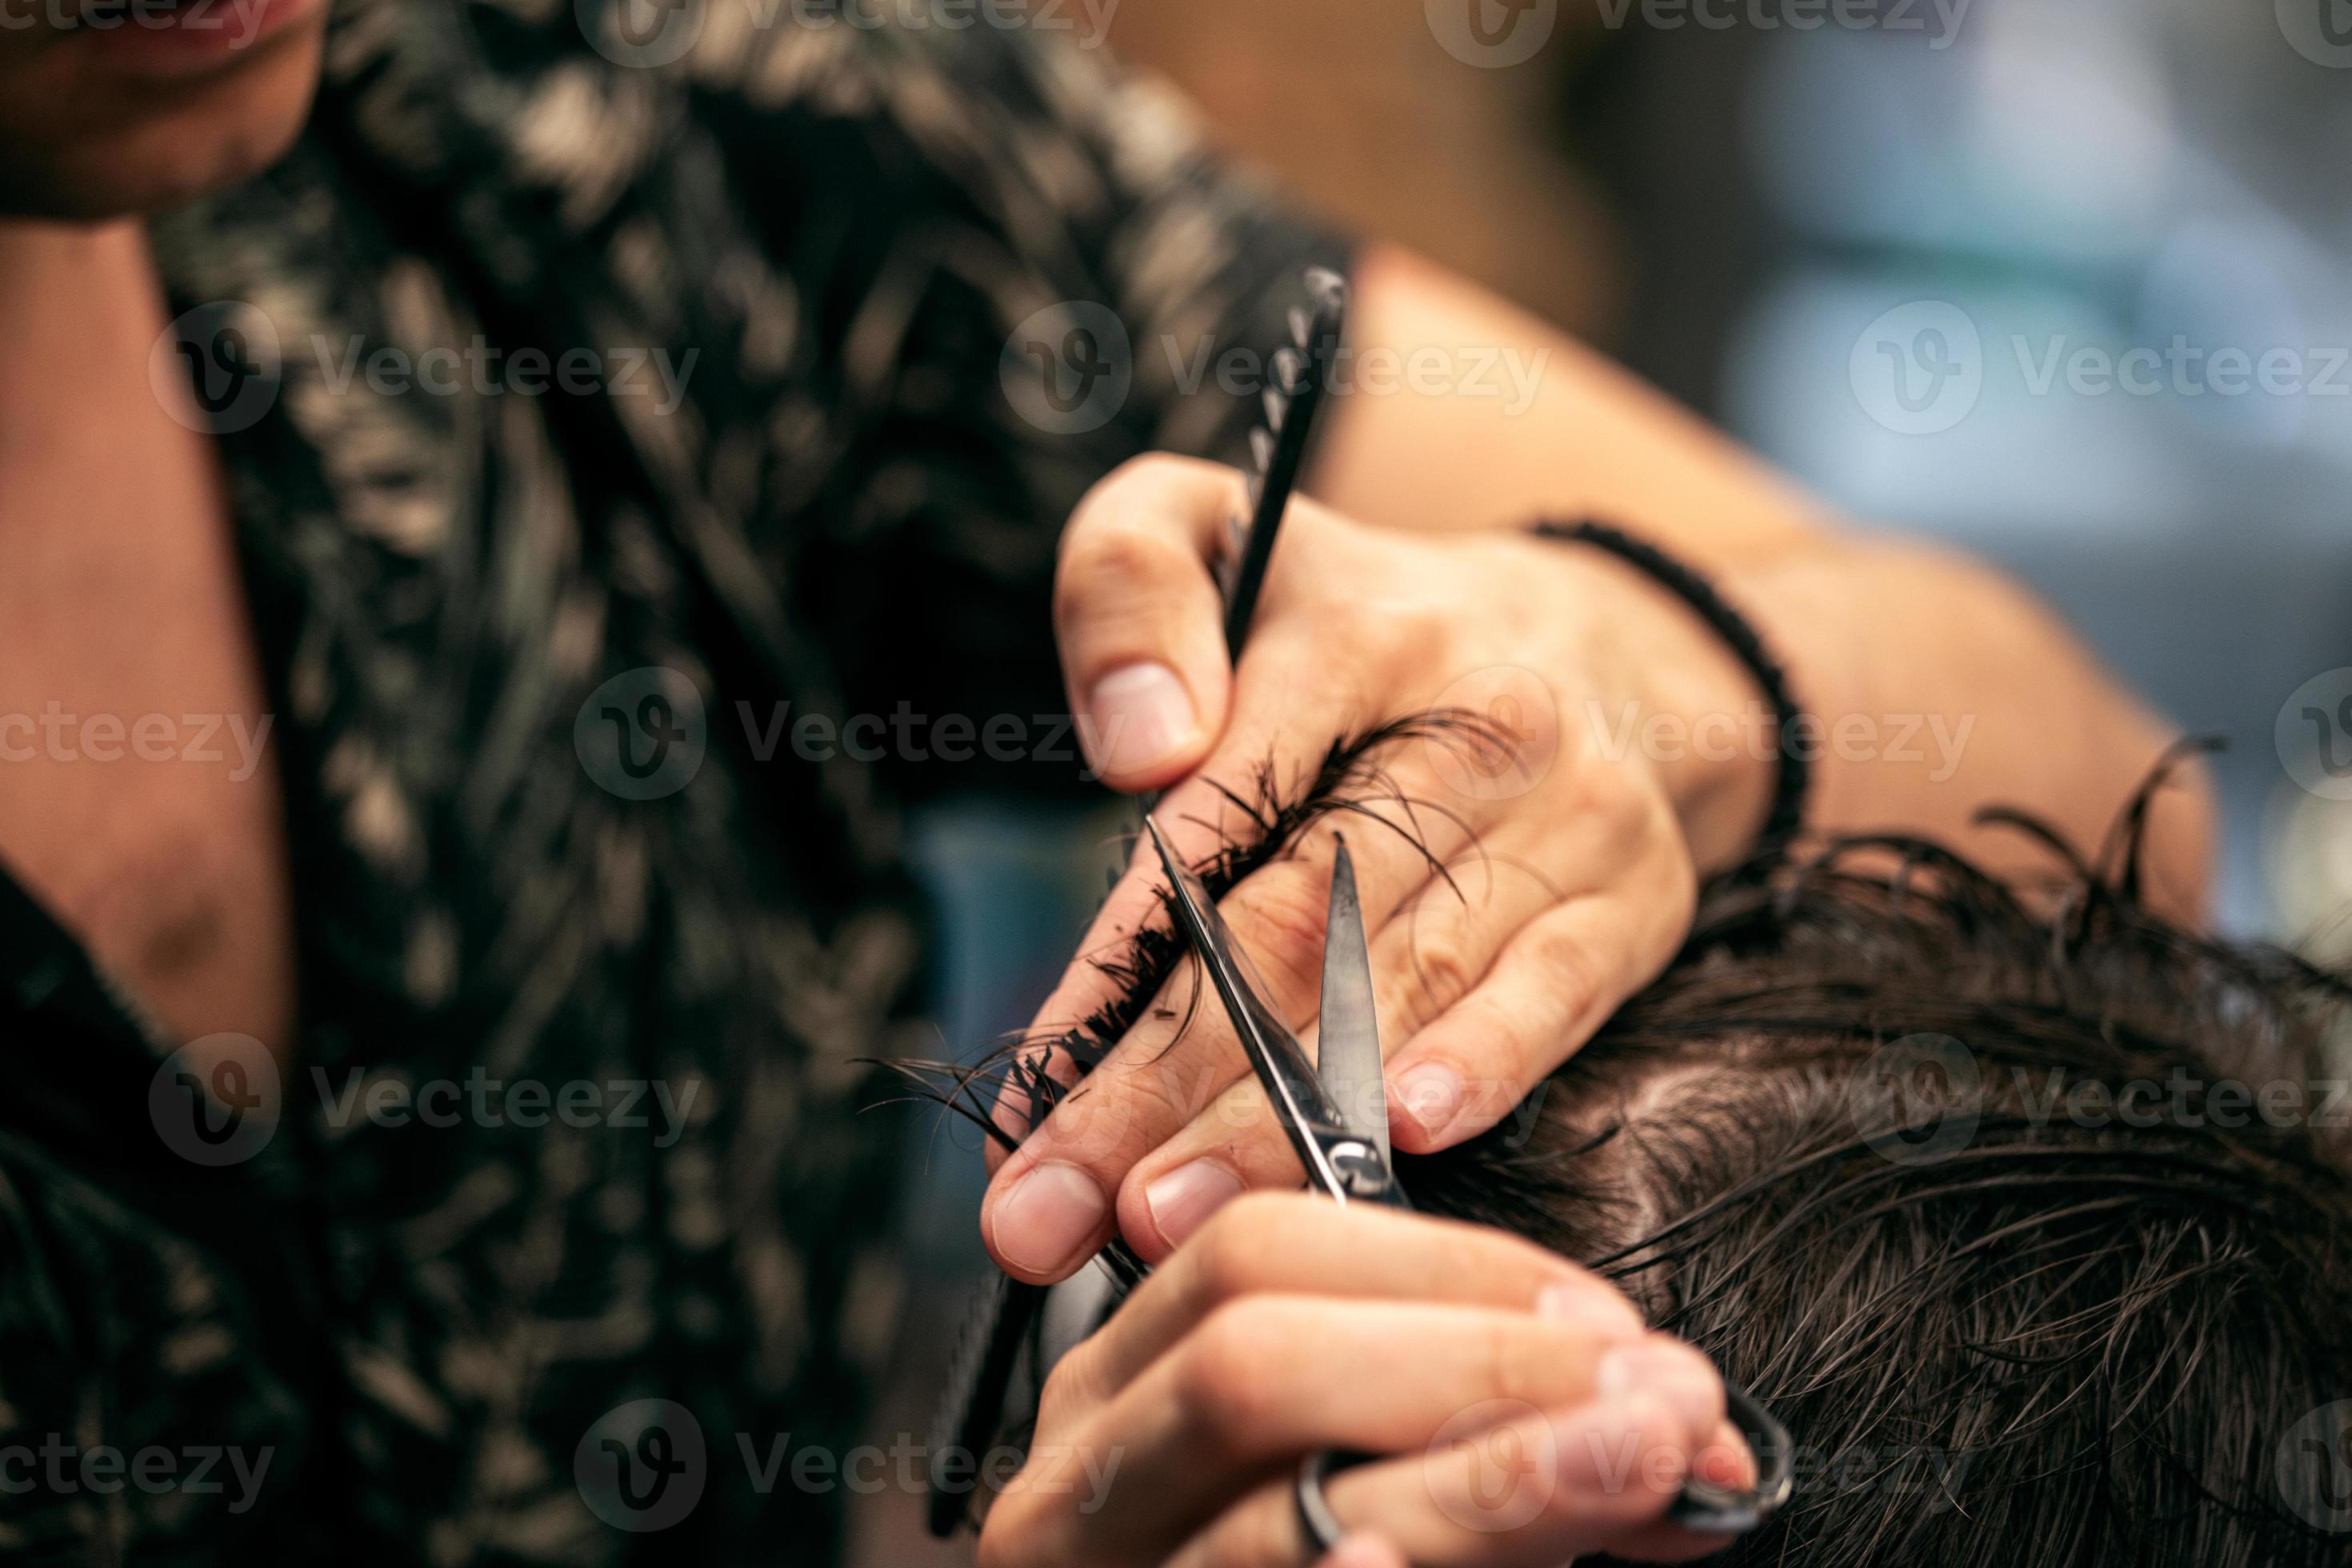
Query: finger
[[1531, 1492], [1201, 818], [1267, 1378], [1364, 1551], [1140, 622], [1050, 1206], [1295, 1243], [1555, 985], [1437, 947]]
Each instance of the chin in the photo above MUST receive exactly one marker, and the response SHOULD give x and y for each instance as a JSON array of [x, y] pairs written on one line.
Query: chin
[[84, 139]]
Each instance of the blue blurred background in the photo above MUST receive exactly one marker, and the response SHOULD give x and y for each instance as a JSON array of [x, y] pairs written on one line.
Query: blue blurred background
[[2066, 282]]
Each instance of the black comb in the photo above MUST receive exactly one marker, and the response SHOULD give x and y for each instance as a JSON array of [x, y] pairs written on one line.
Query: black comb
[[1278, 445], [1004, 1316]]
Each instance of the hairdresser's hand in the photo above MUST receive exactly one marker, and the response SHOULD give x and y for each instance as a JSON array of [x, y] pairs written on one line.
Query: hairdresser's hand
[[1520, 885], [1531, 1418]]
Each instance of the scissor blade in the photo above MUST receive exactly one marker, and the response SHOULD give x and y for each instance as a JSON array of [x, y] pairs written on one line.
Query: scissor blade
[[1308, 1116], [1349, 1032]]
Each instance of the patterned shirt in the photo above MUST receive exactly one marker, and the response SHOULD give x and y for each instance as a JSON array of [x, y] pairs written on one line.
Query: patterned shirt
[[563, 1207]]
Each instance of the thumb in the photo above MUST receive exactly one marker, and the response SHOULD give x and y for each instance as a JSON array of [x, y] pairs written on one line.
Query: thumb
[[1140, 622]]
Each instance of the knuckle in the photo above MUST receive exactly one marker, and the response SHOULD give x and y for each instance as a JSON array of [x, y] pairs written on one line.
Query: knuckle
[[1574, 974], [1223, 1374], [1229, 1251], [1438, 972], [1014, 1533], [1500, 1358], [1110, 567]]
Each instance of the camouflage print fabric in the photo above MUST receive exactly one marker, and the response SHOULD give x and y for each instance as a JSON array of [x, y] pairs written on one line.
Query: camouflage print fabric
[[528, 644]]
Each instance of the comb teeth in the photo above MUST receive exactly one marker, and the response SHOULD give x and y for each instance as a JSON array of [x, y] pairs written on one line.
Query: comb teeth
[[1289, 369], [1277, 409], [1302, 328], [1262, 448], [972, 1410]]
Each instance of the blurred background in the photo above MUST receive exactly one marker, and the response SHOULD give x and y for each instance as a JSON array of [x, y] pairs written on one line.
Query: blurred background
[[2067, 282]]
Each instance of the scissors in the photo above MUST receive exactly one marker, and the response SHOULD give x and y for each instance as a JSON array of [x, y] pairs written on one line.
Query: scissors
[[1334, 1108]]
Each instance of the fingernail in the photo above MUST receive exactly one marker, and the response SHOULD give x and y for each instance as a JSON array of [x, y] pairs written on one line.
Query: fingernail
[[1181, 1201], [1048, 1219], [1679, 1377], [1591, 1306], [1431, 1095], [1725, 1461], [1138, 717]]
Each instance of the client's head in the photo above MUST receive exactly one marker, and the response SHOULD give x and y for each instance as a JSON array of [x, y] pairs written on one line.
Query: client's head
[[2024, 1215]]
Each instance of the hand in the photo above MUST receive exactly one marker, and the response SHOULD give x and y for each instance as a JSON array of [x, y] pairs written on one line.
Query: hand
[[1532, 1418], [1528, 890]]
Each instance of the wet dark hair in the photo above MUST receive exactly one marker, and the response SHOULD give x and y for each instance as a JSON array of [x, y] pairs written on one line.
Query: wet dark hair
[[2025, 1211]]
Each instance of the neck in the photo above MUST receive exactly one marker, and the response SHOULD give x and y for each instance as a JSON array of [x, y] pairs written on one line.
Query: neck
[[79, 308]]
